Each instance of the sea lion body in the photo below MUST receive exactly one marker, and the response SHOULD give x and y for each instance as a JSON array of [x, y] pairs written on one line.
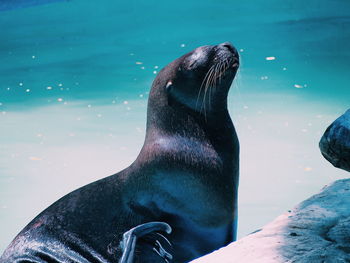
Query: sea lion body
[[185, 175]]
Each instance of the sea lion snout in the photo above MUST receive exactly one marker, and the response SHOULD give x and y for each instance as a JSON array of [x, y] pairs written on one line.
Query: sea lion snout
[[227, 51], [230, 47]]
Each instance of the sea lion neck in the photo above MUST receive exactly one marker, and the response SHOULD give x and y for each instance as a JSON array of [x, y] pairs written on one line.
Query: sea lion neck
[[173, 118]]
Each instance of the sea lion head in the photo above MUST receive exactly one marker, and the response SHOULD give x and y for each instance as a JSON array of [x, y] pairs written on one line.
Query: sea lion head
[[199, 80]]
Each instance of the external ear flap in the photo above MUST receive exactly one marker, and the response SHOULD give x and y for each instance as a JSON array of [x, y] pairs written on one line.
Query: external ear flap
[[168, 86]]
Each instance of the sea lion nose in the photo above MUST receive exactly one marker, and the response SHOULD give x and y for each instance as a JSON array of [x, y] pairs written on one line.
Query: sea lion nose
[[229, 46]]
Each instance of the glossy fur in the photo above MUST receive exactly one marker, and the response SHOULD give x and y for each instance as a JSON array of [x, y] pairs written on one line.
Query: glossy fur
[[185, 175]]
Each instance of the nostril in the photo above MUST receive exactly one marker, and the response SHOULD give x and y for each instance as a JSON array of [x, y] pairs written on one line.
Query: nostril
[[229, 46]]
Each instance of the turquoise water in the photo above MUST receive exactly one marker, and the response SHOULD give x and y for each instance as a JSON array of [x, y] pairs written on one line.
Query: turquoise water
[[75, 77]]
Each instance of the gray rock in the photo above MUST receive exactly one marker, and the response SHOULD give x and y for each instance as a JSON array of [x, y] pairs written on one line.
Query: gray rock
[[315, 231], [335, 142]]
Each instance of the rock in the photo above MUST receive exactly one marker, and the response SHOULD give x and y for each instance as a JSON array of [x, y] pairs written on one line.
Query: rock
[[335, 142], [317, 230]]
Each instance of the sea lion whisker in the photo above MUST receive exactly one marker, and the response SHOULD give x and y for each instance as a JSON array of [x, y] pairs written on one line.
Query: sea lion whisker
[[205, 88], [204, 80], [217, 71], [222, 69], [211, 78], [214, 81], [204, 102], [207, 83], [225, 66], [210, 87]]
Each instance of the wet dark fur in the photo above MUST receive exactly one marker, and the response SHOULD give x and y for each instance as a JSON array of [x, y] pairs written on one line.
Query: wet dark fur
[[185, 175]]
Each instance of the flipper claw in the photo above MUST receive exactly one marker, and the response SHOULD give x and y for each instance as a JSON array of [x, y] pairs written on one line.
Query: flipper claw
[[129, 240], [167, 240], [162, 252]]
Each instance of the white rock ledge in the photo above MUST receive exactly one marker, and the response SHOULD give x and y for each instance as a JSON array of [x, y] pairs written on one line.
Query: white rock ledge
[[315, 231]]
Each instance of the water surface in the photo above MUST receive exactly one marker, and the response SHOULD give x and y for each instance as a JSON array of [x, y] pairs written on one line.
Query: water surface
[[75, 76]]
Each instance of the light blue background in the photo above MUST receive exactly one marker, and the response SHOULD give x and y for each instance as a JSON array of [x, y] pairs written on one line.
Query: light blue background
[[75, 76]]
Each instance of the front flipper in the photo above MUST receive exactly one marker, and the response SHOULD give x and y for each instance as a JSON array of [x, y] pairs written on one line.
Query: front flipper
[[130, 237]]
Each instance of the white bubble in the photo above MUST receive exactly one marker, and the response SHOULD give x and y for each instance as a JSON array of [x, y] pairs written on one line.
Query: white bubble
[[59, 99], [49, 88], [182, 45], [27, 90]]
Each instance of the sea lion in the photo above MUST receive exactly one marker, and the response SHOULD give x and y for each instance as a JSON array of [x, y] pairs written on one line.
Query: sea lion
[[185, 179]]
